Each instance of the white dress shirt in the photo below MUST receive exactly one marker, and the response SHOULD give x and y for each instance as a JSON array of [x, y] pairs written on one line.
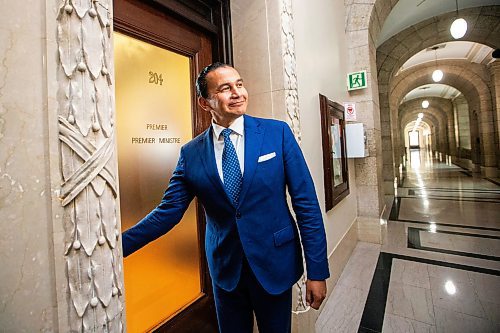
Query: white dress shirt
[[237, 138]]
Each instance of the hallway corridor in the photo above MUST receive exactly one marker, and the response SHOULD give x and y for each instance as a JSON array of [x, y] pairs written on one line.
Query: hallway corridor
[[438, 267]]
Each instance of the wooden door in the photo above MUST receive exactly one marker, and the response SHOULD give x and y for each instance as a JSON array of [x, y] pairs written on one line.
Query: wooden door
[[158, 53]]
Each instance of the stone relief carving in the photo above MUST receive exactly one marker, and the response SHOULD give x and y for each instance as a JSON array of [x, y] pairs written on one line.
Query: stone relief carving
[[292, 107], [289, 60], [88, 166]]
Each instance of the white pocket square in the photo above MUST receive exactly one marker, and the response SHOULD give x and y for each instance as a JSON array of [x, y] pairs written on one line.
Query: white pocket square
[[266, 157]]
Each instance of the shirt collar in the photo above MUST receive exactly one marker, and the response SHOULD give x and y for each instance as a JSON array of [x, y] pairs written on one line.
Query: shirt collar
[[237, 127]]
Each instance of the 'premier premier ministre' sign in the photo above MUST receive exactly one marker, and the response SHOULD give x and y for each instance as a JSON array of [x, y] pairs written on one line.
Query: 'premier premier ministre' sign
[[356, 80], [148, 139]]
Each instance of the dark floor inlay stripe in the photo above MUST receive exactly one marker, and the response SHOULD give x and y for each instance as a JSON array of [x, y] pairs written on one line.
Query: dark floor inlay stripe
[[463, 226], [453, 189], [394, 217], [396, 205], [465, 199], [461, 167], [459, 233], [373, 313], [492, 181], [401, 181], [458, 196], [372, 319], [414, 243]]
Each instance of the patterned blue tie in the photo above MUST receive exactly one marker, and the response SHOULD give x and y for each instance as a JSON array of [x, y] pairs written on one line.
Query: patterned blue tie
[[231, 171]]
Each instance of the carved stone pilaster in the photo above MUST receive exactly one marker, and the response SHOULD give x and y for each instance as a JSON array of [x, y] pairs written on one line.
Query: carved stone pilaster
[[88, 166], [289, 67], [292, 107]]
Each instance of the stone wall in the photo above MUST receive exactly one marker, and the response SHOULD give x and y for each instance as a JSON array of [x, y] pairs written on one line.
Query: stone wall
[[62, 257], [462, 109], [27, 285]]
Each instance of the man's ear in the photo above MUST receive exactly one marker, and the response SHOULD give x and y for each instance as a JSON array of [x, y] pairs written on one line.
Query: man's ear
[[204, 103]]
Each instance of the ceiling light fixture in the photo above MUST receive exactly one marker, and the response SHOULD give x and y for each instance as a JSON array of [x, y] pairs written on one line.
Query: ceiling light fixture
[[459, 26], [437, 75], [425, 104]]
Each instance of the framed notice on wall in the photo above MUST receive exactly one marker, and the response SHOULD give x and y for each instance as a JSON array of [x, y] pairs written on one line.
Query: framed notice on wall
[[336, 175]]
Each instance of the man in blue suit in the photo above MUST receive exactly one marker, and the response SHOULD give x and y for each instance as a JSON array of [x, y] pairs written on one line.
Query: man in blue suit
[[240, 169]]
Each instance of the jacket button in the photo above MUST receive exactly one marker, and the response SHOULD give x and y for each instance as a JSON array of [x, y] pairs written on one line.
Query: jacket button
[[238, 215]]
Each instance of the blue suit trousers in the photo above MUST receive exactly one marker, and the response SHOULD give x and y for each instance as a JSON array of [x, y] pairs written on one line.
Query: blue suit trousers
[[235, 308]]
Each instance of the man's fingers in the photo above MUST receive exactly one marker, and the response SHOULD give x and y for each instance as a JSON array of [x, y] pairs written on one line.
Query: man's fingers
[[315, 293], [309, 296], [317, 300]]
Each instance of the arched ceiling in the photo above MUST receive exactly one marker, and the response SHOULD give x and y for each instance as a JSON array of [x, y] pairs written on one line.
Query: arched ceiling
[[432, 90], [466, 77], [485, 22], [423, 125], [473, 52], [409, 12]]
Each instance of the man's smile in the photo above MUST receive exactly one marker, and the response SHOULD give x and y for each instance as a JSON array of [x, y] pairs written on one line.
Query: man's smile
[[239, 103]]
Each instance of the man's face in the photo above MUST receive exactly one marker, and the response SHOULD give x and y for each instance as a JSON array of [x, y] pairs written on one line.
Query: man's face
[[227, 97]]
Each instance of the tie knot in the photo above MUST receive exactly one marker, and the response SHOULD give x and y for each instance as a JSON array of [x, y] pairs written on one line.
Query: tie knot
[[226, 132]]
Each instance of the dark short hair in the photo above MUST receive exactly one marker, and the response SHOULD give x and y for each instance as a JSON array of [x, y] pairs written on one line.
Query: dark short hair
[[201, 80]]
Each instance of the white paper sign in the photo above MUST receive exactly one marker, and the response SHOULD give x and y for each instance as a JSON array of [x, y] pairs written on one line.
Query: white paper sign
[[350, 111]]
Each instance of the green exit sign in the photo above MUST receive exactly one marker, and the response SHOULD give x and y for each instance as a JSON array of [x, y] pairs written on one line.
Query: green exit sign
[[356, 80]]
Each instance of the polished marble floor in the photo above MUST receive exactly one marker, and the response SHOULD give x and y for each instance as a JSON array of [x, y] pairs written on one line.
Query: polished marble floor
[[438, 267]]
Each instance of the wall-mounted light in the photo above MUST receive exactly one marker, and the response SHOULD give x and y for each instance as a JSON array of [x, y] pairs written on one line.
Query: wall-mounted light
[[459, 26], [425, 104]]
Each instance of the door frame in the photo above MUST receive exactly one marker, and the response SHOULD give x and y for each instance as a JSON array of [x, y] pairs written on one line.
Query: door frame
[[157, 22]]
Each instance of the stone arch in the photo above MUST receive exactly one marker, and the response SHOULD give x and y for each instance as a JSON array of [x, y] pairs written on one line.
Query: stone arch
[[437, 104], [431, 120], [471, 79], [361, 56], [440, 119], [391, 55], [364, 20], [445, 106]]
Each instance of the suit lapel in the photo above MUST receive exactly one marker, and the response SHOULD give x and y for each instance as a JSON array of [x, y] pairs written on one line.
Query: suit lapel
[[207, 154], [254, 135]]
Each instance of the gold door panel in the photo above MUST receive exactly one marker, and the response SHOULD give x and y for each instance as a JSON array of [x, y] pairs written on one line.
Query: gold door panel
[[154, 119]]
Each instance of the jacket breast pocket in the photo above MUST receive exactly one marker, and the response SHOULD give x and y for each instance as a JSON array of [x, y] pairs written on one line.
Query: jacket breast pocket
[[283, 236]]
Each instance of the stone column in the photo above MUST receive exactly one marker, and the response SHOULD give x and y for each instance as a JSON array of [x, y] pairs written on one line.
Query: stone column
[[452, 143], [370, 183], [494, 69], [390, 149], [87, 162], [488, 140]]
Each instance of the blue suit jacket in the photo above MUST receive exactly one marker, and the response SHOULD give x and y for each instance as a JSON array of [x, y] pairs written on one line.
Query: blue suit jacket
[[261, 226]]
